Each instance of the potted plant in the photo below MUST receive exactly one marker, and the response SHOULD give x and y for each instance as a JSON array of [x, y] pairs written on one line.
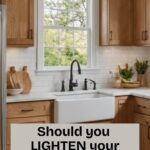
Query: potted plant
[[126, 73], [141, 68]]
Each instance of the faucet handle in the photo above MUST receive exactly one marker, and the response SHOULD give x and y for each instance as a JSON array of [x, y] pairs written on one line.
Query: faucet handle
[[85, 84], [75, 84], [63, 86]]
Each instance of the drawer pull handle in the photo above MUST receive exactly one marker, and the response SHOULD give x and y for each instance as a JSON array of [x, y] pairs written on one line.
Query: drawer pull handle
[[142, 106], [149, 132], [30, 35], [146, 35], [143, 35], [110, 35], [27, 110]]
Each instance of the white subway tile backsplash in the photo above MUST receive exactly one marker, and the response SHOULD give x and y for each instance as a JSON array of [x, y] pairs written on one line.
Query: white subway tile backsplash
[[107, 58]]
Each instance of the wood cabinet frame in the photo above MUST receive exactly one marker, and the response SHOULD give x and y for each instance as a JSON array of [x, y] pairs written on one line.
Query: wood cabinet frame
[[18, 37], [110, 34]]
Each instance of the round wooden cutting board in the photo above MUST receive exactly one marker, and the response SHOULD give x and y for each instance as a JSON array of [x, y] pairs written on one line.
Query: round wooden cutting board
[[25, 80]]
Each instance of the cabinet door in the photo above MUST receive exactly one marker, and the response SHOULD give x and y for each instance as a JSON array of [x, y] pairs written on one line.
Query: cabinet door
[[120, 22], [144, 137], [147, 31], [144, 122], [124, 109], [2, 2], [41, 119], [20, 23], [139, 22]]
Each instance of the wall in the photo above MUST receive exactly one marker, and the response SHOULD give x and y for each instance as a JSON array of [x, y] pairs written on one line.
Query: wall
[[107, 58]]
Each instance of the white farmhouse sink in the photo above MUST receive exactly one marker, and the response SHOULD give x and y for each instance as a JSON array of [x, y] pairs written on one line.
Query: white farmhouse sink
[[75, 107]]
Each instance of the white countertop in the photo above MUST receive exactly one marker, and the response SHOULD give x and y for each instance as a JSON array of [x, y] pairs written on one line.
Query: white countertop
[[30, 97], [141, 92]]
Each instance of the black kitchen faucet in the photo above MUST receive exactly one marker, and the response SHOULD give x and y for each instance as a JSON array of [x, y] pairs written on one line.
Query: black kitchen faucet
[[71, 83]]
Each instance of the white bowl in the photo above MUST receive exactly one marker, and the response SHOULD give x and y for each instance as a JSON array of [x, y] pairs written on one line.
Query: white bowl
[[14, 91]]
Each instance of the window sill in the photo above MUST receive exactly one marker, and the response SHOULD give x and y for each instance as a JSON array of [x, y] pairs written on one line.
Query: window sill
[[63, 69]]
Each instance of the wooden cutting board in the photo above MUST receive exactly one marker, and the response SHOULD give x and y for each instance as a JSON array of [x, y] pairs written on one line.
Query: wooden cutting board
[[24, 80], [10, 83], [12, 79]]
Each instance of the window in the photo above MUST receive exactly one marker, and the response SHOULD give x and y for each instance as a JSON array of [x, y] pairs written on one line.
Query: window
[[64, 32]]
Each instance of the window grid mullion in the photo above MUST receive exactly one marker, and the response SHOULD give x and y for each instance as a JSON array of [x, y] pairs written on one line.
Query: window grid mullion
[[73, 29], [65, 28]]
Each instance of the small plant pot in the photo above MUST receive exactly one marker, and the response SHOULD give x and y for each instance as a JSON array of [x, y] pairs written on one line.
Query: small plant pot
[[142, 79]]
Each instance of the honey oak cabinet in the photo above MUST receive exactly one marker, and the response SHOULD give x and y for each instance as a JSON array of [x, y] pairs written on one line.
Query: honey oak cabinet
[[142, 22], [28, 112], [144, 122], [116, 22], [20, 23], [2, 1], [142, 116], [124, 109]]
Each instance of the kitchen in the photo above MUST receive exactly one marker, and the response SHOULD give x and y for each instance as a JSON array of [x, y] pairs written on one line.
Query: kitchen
[[120, 35]]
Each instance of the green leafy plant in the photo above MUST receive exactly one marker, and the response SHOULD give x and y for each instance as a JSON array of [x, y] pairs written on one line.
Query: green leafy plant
[[126, 73], [141, 66]]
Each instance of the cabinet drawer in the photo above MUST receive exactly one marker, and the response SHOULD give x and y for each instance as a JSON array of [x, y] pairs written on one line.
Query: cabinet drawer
[[29, 109], [141, 119], [142, 106], [37, 120]]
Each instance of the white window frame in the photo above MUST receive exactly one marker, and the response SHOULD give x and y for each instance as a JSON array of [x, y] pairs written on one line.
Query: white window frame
[[91, 38]]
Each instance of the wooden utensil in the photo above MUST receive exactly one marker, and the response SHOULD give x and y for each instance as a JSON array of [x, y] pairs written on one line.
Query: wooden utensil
[[10, 83], [15, 78], [12, 80]]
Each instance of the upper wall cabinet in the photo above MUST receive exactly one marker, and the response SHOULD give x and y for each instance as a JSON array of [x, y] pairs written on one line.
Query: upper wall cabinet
[[116, 22], [2, 2], [20, 23], [142, 22]]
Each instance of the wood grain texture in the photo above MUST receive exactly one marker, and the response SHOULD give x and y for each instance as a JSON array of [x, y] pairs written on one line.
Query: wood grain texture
[[104, 22], [144, 122], [121, 22], [37, 119], [142, 106], [29, 109], [139, 22], [124, 109], [2, 1], [20, 23], [147, 30], [29, 112], [116, 22]]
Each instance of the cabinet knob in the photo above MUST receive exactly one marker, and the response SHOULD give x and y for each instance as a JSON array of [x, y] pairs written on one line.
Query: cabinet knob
[[146, 35], [30, 34], [143, 35], [110, 35]]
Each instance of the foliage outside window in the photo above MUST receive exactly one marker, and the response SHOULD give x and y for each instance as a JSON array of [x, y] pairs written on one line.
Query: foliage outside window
[[65, 32]]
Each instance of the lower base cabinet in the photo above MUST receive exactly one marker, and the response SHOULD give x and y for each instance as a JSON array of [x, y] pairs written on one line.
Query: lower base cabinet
[[144, 122], [124, 109], [28, 112], [135, 110], [128, 110]]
